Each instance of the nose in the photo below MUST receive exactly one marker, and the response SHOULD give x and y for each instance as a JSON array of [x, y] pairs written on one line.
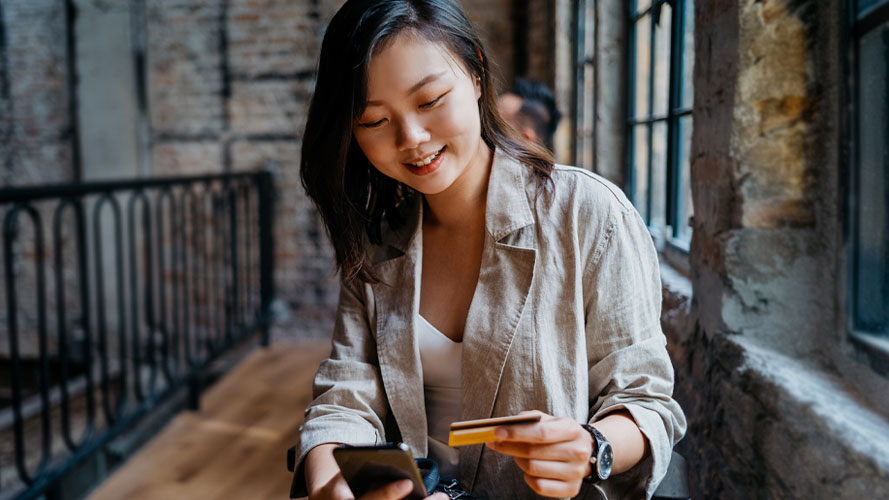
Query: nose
[[411, 133]]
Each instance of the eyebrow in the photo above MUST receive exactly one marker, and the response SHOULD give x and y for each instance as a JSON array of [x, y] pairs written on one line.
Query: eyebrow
[[417, 86]]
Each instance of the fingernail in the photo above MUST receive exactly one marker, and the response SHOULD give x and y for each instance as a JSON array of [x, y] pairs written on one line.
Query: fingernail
[[500, 433], [403, 486]]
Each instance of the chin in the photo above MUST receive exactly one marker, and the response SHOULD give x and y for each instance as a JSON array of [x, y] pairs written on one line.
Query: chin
[[431, 190]]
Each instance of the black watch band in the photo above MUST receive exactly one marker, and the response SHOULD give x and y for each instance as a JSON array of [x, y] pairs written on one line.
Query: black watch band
[[601, 457]]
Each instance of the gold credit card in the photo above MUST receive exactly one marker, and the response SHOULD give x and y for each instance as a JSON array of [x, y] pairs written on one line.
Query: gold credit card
[[482, 431]]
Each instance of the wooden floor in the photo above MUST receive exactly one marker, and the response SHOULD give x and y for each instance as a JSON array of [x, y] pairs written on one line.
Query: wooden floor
[[235, 447]]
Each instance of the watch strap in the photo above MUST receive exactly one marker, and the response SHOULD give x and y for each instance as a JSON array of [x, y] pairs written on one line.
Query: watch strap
[[598, 439]]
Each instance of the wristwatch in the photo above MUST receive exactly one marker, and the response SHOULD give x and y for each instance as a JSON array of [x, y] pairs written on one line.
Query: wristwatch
[[601, 458]]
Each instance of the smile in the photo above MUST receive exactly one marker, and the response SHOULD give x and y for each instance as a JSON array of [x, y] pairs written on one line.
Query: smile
[[427, 160], [427, 164]]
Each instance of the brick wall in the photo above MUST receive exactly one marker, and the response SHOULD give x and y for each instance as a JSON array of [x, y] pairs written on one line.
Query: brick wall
[[229, 85], [494, 21], [540, 34], [548, 49], [36, 141]]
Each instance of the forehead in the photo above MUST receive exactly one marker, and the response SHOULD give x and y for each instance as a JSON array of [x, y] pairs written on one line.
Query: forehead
[[407, 59]]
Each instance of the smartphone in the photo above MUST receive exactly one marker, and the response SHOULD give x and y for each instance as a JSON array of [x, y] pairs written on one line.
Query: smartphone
[[367, 468]]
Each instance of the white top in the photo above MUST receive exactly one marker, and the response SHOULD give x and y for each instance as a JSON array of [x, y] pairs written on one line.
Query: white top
[[441, 358]]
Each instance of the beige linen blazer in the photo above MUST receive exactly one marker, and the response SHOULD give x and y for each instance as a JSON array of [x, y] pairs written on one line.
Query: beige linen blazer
[[565, 319]]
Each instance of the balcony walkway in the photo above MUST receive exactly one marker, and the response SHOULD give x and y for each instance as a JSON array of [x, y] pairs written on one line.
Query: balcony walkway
[[235, 447]]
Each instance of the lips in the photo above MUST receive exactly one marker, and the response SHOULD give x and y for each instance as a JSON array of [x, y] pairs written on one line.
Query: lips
[[427, 164], [426, 159]]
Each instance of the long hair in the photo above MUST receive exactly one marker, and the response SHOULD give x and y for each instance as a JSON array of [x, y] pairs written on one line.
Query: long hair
[[354, 199]]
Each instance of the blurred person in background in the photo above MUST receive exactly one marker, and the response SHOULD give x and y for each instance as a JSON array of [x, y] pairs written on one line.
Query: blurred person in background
[[530, 108]]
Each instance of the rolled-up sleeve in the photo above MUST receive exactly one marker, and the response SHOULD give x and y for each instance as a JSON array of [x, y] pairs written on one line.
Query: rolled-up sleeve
[[629, 367], [349, 403]]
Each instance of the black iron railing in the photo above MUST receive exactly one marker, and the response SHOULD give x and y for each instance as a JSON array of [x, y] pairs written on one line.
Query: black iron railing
[[152, 280]]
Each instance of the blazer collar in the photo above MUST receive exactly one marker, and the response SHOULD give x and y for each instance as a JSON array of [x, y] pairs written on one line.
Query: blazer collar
[[507, 208]]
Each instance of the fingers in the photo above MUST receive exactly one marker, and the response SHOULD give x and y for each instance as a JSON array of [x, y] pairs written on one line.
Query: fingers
[[562, 471], [552, 487], [437, 496], [566, 451], [553, 454], [392, 491], [548, 430], [335, 489]]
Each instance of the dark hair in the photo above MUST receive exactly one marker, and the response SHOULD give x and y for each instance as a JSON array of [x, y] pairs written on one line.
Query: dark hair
[[352, 196], [533, 114], [535, 95]]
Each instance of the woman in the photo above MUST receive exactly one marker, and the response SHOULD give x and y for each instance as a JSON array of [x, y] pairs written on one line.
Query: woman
[[478, 279]]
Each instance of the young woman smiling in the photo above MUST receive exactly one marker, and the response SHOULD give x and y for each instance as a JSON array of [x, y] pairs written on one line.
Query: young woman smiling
[[478, 279]]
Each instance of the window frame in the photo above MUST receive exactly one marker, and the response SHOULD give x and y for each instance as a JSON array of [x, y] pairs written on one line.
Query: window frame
[[667, 236], [869, 348]]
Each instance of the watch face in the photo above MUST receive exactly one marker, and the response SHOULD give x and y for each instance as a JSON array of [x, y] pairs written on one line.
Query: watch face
[[604, 461]]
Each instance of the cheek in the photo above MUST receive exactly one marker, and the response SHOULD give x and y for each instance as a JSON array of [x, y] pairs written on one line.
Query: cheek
[[369, 145], [373, 145], [460, 119]]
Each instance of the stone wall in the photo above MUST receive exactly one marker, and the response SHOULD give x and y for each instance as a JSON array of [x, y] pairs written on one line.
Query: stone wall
[[777, 408], [36, 122]]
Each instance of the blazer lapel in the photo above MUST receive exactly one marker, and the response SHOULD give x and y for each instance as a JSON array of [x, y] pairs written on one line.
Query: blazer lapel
[[499, 300], [397, 302]]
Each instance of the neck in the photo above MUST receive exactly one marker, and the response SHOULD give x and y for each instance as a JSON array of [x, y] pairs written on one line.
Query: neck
[[463, 203]]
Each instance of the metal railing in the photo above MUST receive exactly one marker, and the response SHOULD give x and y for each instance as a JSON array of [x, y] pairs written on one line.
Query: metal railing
[[163, 275]]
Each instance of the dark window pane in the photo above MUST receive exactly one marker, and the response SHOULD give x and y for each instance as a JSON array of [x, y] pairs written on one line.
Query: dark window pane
[[662, 61], [686, 210], [642, 66], [688, 55], [864, 5], [640, 168], [872, 238], [658, 183]]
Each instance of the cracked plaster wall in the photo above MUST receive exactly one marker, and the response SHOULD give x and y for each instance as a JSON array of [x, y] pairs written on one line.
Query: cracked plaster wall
[[777, 406]]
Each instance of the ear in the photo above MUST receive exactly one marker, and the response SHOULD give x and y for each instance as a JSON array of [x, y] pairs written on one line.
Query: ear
[[477, 83], [528, 133]]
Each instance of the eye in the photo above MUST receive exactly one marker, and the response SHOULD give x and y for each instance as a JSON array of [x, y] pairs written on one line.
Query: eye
[[373, 124], [433, 102]]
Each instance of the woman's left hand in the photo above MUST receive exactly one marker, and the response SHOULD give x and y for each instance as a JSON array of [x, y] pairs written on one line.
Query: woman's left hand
[[554, 453]]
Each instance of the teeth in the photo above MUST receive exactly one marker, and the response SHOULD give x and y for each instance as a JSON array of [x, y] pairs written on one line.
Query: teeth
[[429, 159]]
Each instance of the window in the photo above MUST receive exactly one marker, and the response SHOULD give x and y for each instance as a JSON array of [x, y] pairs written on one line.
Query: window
[[660, 95], [869, 193]]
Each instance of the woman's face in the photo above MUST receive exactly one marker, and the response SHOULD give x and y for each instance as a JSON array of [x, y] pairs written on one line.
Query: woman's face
[[421, 125]]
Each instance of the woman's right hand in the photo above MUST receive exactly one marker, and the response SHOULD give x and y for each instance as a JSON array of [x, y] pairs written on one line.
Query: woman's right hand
[[325, 482], [337, 489]]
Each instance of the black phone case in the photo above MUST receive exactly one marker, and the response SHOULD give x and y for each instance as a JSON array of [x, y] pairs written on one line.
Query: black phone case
[[366, 468]]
